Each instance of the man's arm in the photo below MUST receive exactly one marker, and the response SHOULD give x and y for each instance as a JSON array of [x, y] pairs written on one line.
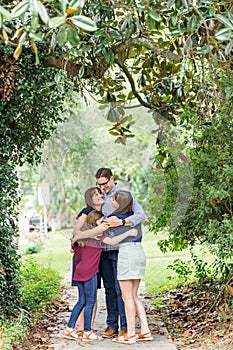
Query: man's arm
[[137, 217]]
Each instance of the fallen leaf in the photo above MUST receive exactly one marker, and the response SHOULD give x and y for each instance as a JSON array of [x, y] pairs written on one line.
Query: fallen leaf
[[229, 289]]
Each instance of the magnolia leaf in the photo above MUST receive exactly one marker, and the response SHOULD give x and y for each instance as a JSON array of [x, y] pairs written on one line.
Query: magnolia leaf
[[36, 36], [223, 34], [225, 21], [185, 3], [77, 3], [72, 36], [62, 36], [20, 9], [18, 51], [154, 14], [6, 14], [81, 71], [170, 3], [84, 23], [56, 22], [64, 5], [22, 39], [42, 12], [229, 47]]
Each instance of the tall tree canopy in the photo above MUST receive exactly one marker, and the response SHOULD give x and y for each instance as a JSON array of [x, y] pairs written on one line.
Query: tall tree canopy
[[128, 52]]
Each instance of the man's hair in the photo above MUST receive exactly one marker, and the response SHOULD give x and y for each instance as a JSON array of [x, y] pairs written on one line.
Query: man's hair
[[103, 172]]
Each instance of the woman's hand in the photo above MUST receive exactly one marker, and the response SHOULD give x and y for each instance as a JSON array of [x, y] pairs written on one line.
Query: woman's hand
[[133, 232], [73, 239], [103, 226]]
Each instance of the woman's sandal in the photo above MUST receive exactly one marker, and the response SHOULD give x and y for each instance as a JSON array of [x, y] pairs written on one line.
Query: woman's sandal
[[125, 339], [70, 333], [145, 336], [90, 336]]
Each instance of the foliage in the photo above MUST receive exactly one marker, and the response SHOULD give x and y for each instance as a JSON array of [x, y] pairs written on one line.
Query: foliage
[[34, 247], [168, 56], [208, 220], [145, 51], [40, 285], [24, 127]]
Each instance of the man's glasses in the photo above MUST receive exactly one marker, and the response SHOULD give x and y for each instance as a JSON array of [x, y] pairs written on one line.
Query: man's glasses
[[103, 184]]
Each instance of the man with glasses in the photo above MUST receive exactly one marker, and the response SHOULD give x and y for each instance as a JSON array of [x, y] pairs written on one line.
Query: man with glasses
[[108, 262]]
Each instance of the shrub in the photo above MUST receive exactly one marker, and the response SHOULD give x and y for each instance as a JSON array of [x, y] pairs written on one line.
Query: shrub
[[40, 285]]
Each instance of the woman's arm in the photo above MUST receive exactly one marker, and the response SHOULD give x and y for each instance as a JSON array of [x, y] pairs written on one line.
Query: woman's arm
[[80, 222], [117, 239], [93, 232]]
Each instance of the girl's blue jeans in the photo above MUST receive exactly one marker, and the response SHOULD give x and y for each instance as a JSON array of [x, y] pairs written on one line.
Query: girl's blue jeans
[[87, 298]]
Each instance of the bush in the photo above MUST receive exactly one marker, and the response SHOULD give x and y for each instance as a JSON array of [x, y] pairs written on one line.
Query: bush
[[34, 248], [40, 285]]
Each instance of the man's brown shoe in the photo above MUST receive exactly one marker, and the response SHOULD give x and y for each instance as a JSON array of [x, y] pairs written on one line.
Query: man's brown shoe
[[122, 332], [109, 333]]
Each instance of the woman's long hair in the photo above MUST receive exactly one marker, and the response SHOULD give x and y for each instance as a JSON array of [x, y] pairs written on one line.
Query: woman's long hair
[[89, 195], [125, 201]]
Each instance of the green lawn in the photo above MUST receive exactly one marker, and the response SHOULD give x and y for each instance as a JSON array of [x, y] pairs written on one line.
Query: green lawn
[[55, 253]]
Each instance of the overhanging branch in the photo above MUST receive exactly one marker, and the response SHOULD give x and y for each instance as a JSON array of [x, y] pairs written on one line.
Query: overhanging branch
[[96, 71], [132, 84], [149, 44]]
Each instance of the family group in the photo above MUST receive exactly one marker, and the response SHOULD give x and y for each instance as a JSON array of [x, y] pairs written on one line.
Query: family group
[[107, 246]]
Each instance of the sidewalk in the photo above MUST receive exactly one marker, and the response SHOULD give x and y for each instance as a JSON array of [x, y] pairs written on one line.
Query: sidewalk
[[160, 341]]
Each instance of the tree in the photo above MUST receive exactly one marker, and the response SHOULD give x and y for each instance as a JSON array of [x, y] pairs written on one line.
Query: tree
[[165, 56], [155, 48]]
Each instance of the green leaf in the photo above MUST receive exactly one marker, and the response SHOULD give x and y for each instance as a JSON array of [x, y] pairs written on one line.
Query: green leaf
[[74, 4], [225, 21], [229, 47], [56, 22], [223, 34], [185, 4], [72, 36], [81, 71], [36, 36], [20, 9], [6, 14], [22, 39], [62, 35], [170, 3], [64, 5], [84, 23], [154, 14], [42, 12]]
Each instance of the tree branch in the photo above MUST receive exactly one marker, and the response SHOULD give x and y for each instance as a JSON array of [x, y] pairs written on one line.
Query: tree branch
[[96, 71], [132, 84], [149, 44]]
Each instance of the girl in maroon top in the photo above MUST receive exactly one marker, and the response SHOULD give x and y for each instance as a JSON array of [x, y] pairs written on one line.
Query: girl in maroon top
[[87, 266]]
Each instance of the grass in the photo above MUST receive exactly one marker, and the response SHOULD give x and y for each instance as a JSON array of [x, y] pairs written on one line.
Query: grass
[[55, 254]]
